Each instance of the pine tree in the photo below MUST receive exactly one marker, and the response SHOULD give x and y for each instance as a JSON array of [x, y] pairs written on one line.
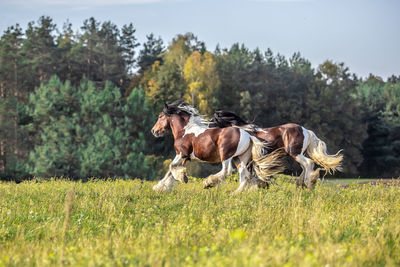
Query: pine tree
[[10, 88], [88, 48], [150, 53], [54, 107], [89, 132], [68, 64], [381, 149], [128, 43], [110, 54], [232, 67], [100, 130], [140, 162], [39, 53]]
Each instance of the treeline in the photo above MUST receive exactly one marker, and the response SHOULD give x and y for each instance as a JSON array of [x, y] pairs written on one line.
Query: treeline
[[81, 103]]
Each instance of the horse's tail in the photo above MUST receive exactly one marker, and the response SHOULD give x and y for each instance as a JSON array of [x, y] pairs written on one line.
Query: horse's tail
[[266, 165], [316, 149]]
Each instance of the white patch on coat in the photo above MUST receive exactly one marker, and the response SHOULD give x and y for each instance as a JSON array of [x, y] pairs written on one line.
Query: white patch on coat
[[244, 143], [195, 126], [306, 140]]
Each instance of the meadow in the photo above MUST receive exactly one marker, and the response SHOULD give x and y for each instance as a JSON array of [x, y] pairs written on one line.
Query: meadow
[[125, 223]]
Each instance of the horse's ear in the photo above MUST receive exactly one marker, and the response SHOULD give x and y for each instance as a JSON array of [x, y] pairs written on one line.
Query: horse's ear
[[165, 109]]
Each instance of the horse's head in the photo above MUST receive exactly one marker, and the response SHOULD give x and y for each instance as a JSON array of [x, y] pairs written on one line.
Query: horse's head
[[175, 116], [162, 125]]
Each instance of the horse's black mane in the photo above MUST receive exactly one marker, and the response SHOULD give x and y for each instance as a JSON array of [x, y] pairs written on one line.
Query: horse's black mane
[[220, 119], [225, 118], [178, 107]]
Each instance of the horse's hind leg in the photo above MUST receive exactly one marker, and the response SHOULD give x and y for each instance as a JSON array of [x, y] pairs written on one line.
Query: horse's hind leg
[[300, 180], [295, 142], [244, 174], [215, 179], [307, 165], [308, 176], [246, 180]]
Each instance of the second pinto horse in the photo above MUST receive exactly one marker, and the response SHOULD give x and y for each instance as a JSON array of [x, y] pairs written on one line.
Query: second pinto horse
[[297, 141]]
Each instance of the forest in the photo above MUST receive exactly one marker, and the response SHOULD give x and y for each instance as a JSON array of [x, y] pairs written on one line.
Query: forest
[[80, 104]]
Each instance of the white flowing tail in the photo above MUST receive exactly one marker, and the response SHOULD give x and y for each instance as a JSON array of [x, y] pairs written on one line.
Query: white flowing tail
[[317, 152]]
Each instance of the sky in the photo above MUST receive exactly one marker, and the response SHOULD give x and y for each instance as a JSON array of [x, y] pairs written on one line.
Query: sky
[[364, 34]]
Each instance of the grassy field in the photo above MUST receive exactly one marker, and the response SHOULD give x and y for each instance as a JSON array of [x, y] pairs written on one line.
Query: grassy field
[[125, 223]]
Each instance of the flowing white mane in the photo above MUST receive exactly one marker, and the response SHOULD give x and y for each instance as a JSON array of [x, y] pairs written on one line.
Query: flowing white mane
[[195, 116], [197, 123], [194, 113]]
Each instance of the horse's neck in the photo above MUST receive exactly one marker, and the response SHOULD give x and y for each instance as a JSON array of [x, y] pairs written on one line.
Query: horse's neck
[[178, 127], [178, 131]]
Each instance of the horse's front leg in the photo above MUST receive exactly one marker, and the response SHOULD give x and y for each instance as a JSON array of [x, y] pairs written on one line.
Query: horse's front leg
[[176, 173], [215, 179], [177, 169], [166, 184]]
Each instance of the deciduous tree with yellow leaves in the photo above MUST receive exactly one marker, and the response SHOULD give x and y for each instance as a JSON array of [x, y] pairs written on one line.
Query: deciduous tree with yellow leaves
[[202, 81]]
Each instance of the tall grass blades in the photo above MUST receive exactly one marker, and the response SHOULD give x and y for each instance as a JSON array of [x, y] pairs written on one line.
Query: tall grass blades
[[126, 223]]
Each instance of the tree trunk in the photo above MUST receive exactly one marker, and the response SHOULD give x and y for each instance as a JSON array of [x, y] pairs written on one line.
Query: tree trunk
[[2, 142], [16, 95], [89, 59]]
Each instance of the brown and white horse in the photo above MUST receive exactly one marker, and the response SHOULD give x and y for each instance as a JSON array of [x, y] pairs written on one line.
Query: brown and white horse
[[195, 140], [294, 139]]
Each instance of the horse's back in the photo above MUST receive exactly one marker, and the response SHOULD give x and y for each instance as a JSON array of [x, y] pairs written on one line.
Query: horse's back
[[289, 126]]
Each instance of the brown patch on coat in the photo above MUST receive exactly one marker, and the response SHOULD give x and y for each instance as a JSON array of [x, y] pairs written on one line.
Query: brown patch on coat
[[289, 136]]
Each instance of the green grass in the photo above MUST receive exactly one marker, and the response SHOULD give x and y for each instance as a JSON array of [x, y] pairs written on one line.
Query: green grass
[[122, 223]]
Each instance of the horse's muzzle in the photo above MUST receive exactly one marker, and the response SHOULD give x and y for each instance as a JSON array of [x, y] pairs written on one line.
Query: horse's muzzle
[[157, 133]]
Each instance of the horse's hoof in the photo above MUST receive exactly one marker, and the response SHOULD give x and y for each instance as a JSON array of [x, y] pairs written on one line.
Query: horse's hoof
[[301, 184], [185, 179], [207, 185], [310, 185]]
